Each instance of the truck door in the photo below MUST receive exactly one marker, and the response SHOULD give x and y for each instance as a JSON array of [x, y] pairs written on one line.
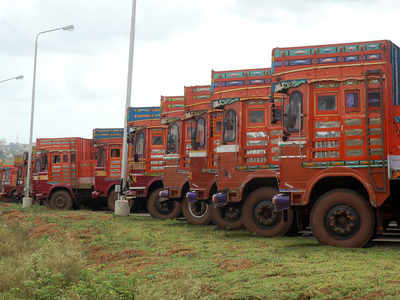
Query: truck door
[[114, 161], [255, 134]]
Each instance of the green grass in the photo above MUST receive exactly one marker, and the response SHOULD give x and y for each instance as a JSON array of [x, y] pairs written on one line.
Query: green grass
[[93, 255]]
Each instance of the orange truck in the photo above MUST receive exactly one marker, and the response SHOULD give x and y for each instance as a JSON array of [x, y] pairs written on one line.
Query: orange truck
[[340, 150], [108, 152], [248, 153], [147, 143], [204, 130], [63, 173], [176, 159]]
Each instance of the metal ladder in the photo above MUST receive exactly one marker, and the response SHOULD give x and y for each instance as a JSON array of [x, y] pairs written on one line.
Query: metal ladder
[[375, 74]]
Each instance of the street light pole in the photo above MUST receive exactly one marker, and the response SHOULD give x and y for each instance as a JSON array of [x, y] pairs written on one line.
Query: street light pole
[[27, 201], [12, 78], [121, 205]]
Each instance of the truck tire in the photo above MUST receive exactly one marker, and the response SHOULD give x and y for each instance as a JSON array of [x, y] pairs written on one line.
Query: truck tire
[[198, 213], [228, 217], [259, 216], [61, 200], [170, 209], [112, 197], [342, 218]]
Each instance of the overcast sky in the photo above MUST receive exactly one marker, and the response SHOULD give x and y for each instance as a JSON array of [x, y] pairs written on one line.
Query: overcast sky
[[81, 75]]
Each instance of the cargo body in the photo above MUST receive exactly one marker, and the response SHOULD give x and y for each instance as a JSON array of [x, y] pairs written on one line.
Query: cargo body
[[340, 149], [248, 153], [147, 142], [107, 174], [63, 173]]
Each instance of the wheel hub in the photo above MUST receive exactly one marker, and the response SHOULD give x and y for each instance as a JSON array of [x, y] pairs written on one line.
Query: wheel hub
[[59, 202], [265, 215], [198, 209], [231, 213], [342, 220], [165, 207]]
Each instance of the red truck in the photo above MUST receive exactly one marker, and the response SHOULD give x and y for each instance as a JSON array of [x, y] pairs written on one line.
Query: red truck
[[248, 155], [340, 150], [108, 149], [147, 138], [204, 129], [63, 173]]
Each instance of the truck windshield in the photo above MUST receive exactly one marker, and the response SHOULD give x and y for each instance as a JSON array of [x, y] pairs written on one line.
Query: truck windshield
[[293, 116], [230, 121], [139, 146], [173, 138], [100, 157], [36, 168], [43, 162], [198, 136]]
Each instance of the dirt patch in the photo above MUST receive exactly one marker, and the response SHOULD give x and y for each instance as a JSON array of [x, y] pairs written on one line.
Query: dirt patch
[[86, 234], [104, 258], [180, 252], [77, 217], [393, 281], [50, 229], [37, 221], [5, 204], [13, 215], [232, 265], [325, 291], [104, 218]]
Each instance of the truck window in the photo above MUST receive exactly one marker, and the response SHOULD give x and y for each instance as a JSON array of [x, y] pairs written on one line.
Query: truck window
[[173, 138], [157, 140], [256, 116], [230, 121], [352, 101], [65, 158], [293, 117], [139, 146], [115, 153], [276, 115], [374, 99], [327, 102], [73, 158], [56, 159], [200, 132]]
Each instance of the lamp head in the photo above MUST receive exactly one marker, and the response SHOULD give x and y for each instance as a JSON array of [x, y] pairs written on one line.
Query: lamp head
[[69, 27], [19, 77]]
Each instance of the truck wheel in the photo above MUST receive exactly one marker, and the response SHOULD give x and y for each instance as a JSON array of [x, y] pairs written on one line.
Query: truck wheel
[[112, 197], [170, 209], [259, 216], [342, 218], [61, 200], [228, 216], [198, 213]]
